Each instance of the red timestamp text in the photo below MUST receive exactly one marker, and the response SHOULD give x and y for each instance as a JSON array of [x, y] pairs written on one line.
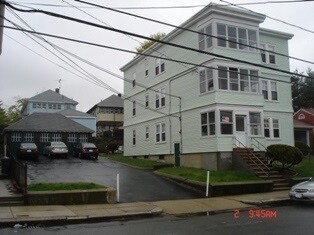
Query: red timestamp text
[[257, 214]]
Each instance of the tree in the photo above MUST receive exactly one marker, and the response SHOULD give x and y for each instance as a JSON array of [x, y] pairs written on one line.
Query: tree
[[148, 43], [302, 91], [14, 111]]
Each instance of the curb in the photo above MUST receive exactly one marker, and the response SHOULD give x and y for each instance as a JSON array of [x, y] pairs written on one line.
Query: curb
[[265, 202], [62, 220], [125, 164]]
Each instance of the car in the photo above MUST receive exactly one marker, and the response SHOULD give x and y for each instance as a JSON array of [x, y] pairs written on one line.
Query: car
[[56, 149], [28, 150], [303, 191], [83, 150]]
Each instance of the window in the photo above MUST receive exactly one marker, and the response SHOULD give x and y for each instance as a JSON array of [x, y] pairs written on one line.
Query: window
[[133, 81], [43, 106], [34, 105], [134, 138], [50, 106], [226, 122], [234, 79], [269, 90], [271, 128], [56, 137], [146, 100], [206, 80], [204, 41], [146, 69], [208, 123], [29, 137], [266, 53], [147, 132], [255, 123], [83, 138], [301, 116], [159, 66], [59, 106], [44, 137], [134, 108], [160, 132], [160, 98], [236, 35], [72, 138], [16, 137]]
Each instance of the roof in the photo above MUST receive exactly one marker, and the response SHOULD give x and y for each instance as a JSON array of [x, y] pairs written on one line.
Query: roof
[[309, 110], [48, 122], [53, 97], [75, 113], [113, 101], [303, 125]]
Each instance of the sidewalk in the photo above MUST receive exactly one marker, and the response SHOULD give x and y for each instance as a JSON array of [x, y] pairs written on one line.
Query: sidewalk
[[87, 213]]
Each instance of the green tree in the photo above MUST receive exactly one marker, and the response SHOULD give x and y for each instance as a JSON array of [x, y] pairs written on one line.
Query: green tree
[[148, 43], [14, 111], [302, 91]]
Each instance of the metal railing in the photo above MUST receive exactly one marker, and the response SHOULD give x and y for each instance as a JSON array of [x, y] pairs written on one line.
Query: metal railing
[[261, 147], [256, 161], [18, 174]]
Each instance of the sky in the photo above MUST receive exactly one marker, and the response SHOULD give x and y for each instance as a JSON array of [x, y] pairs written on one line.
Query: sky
[[24, 74]]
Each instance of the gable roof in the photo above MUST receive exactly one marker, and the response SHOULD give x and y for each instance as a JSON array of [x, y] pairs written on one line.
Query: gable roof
[[307, 110], [48, 122], [113, 101], [75, 113], [53, 97]]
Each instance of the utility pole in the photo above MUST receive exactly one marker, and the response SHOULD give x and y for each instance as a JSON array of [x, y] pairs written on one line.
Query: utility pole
[[1, 24]]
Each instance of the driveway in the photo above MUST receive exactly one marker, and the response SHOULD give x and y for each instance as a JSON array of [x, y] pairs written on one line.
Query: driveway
[[135, 184]]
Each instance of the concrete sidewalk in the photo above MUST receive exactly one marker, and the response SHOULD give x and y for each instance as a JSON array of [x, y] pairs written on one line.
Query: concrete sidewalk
[[89, 213]]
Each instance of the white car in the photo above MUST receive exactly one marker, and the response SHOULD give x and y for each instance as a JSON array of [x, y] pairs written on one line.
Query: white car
[[303, 191]]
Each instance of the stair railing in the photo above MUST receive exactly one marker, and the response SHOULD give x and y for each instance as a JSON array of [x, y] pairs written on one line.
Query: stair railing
[[253, 157], [261, 147]]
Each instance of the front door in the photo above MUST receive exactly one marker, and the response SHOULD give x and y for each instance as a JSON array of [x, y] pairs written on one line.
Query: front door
[[241, 130]]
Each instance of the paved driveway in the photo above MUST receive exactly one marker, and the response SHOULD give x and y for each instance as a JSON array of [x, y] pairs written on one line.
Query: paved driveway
[[135, 184]]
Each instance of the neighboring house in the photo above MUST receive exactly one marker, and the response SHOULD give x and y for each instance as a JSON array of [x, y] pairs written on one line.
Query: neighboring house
[[48, 102], [304, 126], [210, 110], [82, 118], [108, 113], [42, 128]]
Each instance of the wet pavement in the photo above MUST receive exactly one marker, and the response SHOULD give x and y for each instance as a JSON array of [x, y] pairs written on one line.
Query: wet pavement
[[135, 184]]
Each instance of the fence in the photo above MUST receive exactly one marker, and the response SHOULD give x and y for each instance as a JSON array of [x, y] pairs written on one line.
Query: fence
[[18, 173]]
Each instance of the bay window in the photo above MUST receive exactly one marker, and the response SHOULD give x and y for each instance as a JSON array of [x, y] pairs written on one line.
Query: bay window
[[226, 122], [205, 41], [206, 80]]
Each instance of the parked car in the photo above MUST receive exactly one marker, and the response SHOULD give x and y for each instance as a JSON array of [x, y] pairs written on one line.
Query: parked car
[[28, 150], [86, 150], [303, 191], [56, 149]]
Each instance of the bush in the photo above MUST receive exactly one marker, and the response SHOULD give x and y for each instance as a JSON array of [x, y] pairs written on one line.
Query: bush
[[112, 146], [286, 154], [305, 149]]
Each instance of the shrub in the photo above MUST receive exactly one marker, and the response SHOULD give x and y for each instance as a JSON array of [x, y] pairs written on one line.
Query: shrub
[[286, 154], [305, 149], [112, 146]]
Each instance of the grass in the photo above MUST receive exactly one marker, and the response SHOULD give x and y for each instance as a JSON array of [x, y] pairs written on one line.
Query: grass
[[215, 176], [306, 167], [63, 186], [142, 163]]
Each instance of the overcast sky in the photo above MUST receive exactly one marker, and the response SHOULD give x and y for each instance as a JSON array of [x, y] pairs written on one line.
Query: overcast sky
[[24, 74]]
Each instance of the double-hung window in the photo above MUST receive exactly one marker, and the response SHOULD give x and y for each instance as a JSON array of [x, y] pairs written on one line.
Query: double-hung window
[[160, 132], [134, 137], [160, 98], [159, 66], [226, 123], [255, 123], [205, 41], [133, 79], [134, 108], [208, 123], [206, 80], [269, 90], [271, 128], [146, 100], [267, 53], [147, 132]]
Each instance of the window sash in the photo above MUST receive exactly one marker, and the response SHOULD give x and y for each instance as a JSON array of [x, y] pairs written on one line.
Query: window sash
[[226, 122], [255, 123]]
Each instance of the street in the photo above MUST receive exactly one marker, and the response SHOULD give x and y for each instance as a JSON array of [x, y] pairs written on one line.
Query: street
[[135, 184], [291, 219]]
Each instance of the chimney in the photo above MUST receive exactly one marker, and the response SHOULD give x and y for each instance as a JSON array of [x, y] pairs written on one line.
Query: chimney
[[58, 90], [119, 94]]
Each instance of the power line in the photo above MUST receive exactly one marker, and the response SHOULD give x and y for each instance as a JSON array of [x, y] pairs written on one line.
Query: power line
[[271, 2], [272, 18], [133, 52], [152, 39]]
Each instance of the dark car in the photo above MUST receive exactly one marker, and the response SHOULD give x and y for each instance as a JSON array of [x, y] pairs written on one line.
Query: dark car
[[56, 149], [86, 150], [28, 150]]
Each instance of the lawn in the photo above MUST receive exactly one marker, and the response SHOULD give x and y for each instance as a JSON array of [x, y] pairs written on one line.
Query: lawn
[[142, 163], [63, 186], [215, 176], [306, 167]]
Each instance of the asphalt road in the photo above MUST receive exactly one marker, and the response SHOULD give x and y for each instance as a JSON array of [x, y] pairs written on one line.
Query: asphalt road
[[296, 219], [135, 184]]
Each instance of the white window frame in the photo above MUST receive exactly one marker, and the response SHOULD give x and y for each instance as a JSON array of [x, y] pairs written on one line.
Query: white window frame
[[207, 80], [133, 79], [269, 58], [44, 137], [160, 132], [146, 100], [134, 108], [226, 122], [28, 137], [72, 138], [208, 124], [268, 89], [146, 132], [83, 138], [160, 66], [133, 137], [272, 128], [55, 137], [160, 98], [205, 42], [16, 137], [301, 116], [255, 125]]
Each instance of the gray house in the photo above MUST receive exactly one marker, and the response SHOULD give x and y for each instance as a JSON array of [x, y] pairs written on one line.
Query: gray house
[[41, 128]]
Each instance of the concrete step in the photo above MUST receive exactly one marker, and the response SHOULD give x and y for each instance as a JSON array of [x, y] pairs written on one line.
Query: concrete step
[[11, 201]]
